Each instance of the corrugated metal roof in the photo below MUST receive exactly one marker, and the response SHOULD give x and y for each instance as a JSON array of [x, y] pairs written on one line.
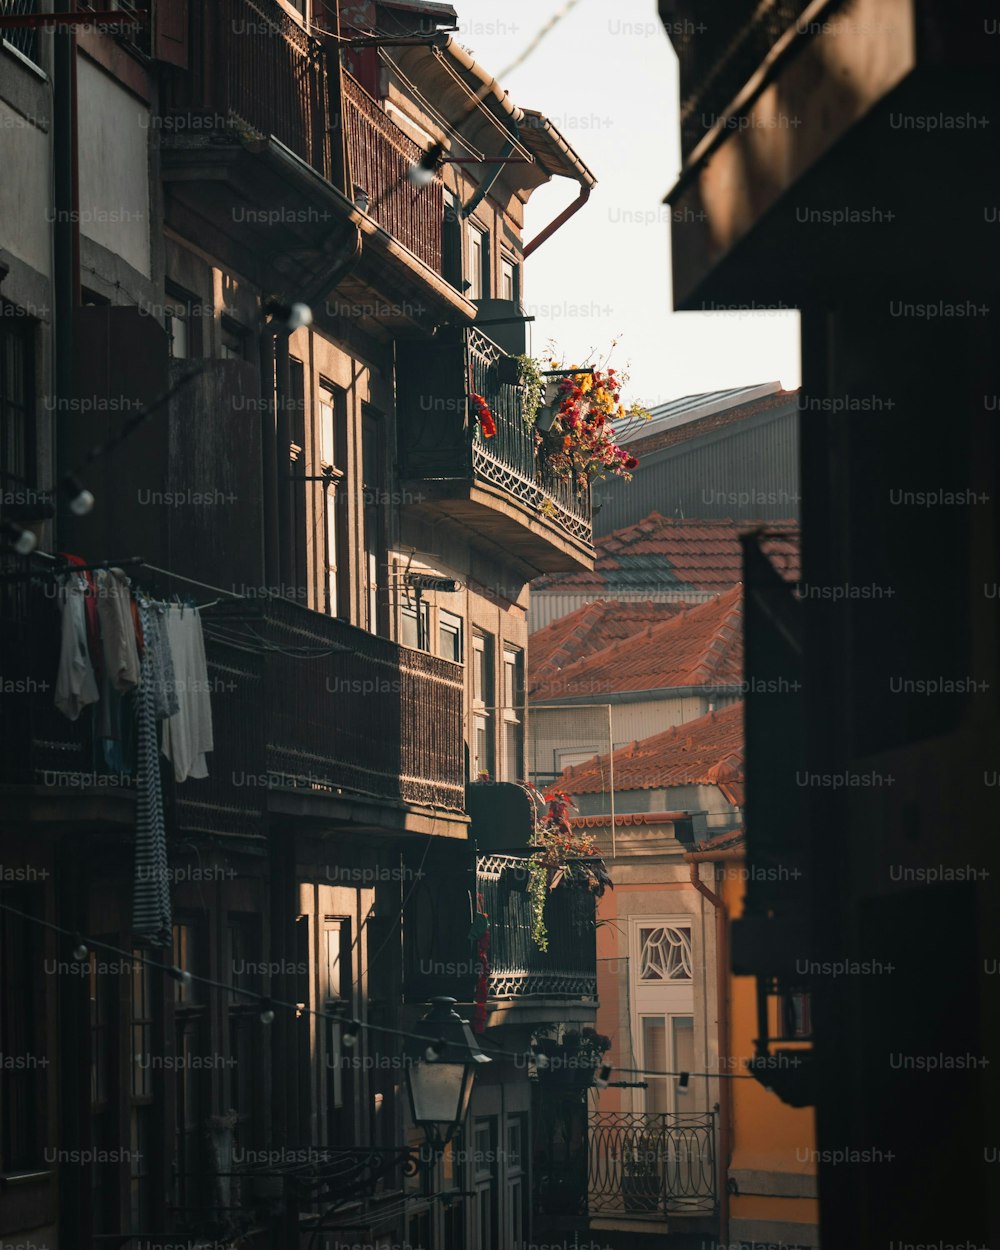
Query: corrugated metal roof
[[677, 412]]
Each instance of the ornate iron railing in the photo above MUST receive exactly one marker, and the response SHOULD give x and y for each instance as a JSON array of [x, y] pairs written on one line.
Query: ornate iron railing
[[256, 68], [518, 968], [652, 1163], [509, 459], [379, 156], [23, 38], [720, 51]]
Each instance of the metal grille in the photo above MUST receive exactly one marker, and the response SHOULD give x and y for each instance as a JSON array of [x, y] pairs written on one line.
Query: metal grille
[[25, 40], [380, 156], [369, 716], [509, 459], [652, 1163], [255, 68], [518, 968]]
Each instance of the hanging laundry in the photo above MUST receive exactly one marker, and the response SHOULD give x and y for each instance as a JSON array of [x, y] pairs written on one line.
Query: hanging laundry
[[76, 686], [187, 735], [151, 920], [161, 665], [118, 637]]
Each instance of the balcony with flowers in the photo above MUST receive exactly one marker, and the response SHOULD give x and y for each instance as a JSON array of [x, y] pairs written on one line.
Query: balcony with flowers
[[488, 440]]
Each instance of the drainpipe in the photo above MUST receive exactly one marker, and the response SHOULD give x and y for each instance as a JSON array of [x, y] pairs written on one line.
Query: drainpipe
[[559, 222], [722, 996]]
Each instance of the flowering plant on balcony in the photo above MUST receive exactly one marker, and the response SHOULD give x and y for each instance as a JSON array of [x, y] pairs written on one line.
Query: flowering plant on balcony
[[590, 418], [563, 856], [484, 415]]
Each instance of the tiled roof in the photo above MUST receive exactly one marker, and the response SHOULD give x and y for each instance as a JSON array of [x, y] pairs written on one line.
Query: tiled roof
[[700, 647], [588, 630], [707, 751], [660, 553]]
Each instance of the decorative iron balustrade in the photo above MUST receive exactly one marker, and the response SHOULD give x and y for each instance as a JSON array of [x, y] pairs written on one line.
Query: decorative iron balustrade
[[24, 38], [510, 459], [652, 1163], [568, 969], [379, 157], [719, 52], [253, 65]]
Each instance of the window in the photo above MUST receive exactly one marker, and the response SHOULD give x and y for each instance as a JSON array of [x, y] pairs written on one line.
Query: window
[[189, 1117], [332, 457], [179, 323], [243, 1020], [665, 953], [510, 280], [141, 1090], [797, 1015], [483, 701], [513, 713], [16, 389], [449, 636], [374, 491], [20, 1036], [416, 626], [477, 262], [662, 1091], [234, 340], [335, 981], [451, 241]]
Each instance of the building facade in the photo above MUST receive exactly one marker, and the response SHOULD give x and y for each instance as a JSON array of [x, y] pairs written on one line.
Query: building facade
[[358, 549]]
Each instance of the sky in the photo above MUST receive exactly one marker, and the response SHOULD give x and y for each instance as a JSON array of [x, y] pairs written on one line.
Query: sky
[[607, 78]]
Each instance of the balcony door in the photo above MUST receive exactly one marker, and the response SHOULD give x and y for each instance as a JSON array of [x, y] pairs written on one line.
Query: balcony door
[[662, 969]]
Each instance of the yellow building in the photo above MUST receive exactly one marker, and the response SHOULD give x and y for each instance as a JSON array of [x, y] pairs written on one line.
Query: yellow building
[[767, 1149]]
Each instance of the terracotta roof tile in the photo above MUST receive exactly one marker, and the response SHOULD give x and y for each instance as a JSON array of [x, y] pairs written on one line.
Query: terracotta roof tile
[[588, 630], [702, 646], [706, 751], [661, 553]]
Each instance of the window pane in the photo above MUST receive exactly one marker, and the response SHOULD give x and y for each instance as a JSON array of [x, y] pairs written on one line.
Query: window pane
[[654, 1057], [665, 953]]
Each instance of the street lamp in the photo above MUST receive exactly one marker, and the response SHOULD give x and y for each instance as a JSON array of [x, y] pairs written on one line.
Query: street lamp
[[441, 1074]]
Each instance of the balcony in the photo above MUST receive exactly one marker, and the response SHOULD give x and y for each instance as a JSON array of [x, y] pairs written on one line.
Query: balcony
[[651, 1165], [499, 487], [311, 717], [256, 172], [316, 718], [379, 156]]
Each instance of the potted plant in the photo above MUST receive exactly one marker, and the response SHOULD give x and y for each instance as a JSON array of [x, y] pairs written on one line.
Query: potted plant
[[642, 1174], [562, 857], [581, 443]]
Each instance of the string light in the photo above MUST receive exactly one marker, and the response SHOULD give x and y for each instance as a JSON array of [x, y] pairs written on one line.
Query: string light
[[21, 540], [541, 1061], [80, 950], [603, 1077], [351, 1028], [266, 1011], [682, 1082], [81, 501], [435, 1050]]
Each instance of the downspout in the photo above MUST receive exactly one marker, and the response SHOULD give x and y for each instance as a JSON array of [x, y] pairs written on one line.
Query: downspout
[[558, 223], [722, 998]]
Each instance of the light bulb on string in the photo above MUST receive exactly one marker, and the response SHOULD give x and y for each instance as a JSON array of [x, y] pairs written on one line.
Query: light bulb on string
[[421, 173], [266, 1011], [603, 1076], [180, 975], [81, 501], [80, 950], [351, 1030], [682, 1082], [541, 1061]]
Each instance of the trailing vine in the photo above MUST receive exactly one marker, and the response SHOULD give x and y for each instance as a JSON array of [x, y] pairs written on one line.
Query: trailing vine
[[562, 857], [532, 387]]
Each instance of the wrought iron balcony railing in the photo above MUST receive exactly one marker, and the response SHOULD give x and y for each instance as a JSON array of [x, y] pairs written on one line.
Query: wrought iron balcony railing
[[720, 52], [441, 442], [652, 1163], [568, 969], [379, 156]]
